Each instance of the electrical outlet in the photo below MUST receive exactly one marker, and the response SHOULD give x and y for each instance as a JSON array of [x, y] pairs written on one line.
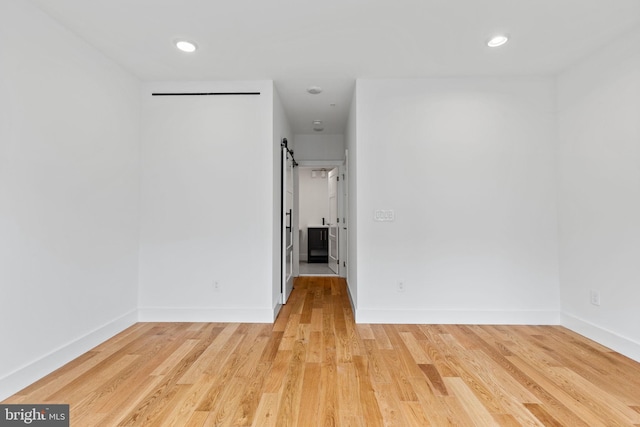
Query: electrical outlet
[[216, 285], [400, 287], [595, 298]]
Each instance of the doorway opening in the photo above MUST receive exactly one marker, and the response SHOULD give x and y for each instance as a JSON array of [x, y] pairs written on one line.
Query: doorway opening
[[320, 219]]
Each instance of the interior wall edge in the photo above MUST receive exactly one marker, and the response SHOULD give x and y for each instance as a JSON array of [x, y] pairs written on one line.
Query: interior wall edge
[[351, 299]]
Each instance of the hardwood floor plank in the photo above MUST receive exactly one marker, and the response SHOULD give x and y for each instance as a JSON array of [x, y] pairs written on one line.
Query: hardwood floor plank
[[368, 400], [382, 340], [271, 349], [316, 316], [539, 412], [222, 343], [499, 394], [436, 381], [222, 413], [290, 334], [175, 357], [603, 371], [389, 406], [81, 388], [494, 350], [434, 407], [279, 367], [414, 415], [607, 405], [310, 403], [315, 367], [413, 346], [400, 379], [348, 395], [315, 349], [407, 362], [472, 405], [197, 419], [365, 331], [377, 368], [190, 400], [307, 308], [224, 372], [290, 396], [434, 350], [578, 414], [267, 411], [248, 405], [329, 394]]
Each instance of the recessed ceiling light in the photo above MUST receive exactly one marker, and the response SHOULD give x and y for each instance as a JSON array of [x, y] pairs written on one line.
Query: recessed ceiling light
[[498, 40], [317, 122], [186, 46], [314, 90]]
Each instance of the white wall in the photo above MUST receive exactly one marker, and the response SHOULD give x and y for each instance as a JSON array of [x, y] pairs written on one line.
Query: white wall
[[599, 155], [281, 129], [319, 147], [207, 184], [468, 166], [69, 124], [314, 203]]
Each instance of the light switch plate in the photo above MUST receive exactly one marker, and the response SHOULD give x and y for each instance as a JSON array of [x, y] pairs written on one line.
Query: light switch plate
[[381, 215]]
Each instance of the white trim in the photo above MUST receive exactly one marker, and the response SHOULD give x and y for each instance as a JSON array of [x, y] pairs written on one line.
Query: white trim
[[471, 317], [276, 311], [618, 343], [215, 315], [37, 369]]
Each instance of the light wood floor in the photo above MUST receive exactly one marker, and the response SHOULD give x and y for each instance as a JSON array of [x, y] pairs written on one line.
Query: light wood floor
[[315, 367]]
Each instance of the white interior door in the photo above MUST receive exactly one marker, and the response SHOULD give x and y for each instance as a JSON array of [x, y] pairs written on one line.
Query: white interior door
[[287, 225], [334, 221]]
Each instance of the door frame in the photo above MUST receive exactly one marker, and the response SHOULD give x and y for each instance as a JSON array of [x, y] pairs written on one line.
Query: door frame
[[287, 169], [343, 250], [333, 229]]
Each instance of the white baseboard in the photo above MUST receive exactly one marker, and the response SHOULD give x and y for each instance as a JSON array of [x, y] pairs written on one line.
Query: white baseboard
[[501, 317], [33, 371], [616, 342], [225, 315]]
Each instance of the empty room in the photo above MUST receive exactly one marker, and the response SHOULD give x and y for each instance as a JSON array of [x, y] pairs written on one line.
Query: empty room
[[470, 255]]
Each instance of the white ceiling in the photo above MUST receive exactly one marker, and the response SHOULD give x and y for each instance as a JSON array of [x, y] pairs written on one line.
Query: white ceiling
[[330, 43]]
